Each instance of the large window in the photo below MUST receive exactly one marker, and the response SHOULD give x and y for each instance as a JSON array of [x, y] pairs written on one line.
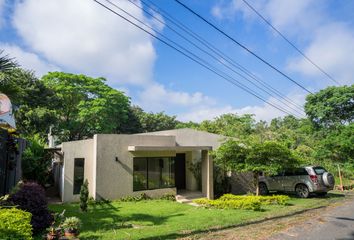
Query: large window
[[79, 165], [153, 173]]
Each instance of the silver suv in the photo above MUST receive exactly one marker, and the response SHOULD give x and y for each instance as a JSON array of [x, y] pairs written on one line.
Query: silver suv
[[302, 181]]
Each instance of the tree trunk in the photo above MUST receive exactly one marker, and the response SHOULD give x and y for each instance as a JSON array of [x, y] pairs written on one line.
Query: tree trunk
[[256, 183]]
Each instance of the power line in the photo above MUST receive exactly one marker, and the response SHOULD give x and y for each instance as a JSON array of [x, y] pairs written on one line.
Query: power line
[[241, 45], [215, 51], [288, 41], [212, 56], [210, 68]]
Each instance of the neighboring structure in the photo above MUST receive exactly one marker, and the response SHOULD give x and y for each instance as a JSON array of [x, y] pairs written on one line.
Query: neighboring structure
[[119, 165]]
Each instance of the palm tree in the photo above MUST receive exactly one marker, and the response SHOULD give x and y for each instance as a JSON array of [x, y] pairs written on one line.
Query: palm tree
[[6, 63]]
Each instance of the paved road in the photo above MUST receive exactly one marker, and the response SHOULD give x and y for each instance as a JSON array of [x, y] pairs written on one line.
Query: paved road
[[334, 224]]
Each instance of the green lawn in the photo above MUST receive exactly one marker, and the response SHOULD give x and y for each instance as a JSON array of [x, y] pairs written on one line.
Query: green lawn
[[162, 219]]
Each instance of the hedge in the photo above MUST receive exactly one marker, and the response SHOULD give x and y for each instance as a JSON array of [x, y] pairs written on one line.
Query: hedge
[[15, 224]]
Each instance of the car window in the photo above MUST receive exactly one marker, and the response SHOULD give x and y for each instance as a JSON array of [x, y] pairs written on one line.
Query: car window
[[319, 170], [289, 172], [300, 172]]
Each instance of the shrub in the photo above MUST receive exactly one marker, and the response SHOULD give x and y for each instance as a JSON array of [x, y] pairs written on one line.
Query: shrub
[[265, 200], [247, 204], [243, 202], [168, 196], [84, 192], [138, 198], [15, 224], [31, 198]]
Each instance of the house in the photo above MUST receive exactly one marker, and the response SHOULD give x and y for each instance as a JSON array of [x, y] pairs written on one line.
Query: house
[[119, 165]]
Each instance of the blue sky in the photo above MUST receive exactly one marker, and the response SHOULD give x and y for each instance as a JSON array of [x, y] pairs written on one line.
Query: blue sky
[[81, 37]]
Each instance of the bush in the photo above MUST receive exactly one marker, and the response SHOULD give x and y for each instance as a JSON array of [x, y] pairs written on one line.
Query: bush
[[31, 198], [243, 202], [84, 192], [247, 204], [138, 198], [15, 224], [265, 200], [169, 197]]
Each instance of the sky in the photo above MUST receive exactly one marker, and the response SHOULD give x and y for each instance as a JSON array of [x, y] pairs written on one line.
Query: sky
[[80, 36]]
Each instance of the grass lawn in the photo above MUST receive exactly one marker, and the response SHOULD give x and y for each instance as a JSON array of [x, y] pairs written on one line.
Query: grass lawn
[[162, 219]]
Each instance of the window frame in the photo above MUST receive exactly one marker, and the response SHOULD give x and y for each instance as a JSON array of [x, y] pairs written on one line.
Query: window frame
[[147, 173], [83, 174]]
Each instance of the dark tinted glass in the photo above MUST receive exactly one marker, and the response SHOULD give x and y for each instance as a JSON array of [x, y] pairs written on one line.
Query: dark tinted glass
[[300, 172], [79, 166], [319, 170], [140, 174], [153, 173]]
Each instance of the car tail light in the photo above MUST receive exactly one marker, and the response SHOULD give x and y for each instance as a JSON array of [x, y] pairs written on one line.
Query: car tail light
[[314, 178]]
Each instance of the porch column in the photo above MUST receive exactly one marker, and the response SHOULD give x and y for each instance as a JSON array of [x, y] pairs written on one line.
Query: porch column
[[207, 175]]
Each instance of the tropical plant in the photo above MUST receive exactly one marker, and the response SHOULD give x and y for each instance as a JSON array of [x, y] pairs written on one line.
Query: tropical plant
[[71, 224]]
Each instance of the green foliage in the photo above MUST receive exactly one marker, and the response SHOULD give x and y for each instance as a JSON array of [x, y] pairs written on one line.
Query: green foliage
[[15, 224], [86, 105], [169, 197], [230, 201], [246, 203], [71, 223], [84, 193], [265, 200], [36, 161], [137, 198], [151, 122], [35, 103], [331, 106]]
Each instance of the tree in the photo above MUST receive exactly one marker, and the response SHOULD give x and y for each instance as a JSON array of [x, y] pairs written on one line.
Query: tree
[[34, 103], [331, 106], [86, 106], [151, 122], [268, 157], [230, 125]]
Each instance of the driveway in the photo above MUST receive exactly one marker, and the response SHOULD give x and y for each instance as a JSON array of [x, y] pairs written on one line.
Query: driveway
[[334, 224]]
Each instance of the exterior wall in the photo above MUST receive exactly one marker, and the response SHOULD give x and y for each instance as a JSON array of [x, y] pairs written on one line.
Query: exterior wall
[[191, 182], [191, 137], [114, 179], [72, 150]]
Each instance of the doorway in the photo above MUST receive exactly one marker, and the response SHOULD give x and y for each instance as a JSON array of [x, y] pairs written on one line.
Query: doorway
[[180, 171]]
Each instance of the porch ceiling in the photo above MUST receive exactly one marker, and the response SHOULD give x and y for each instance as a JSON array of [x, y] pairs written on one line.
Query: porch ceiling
[[167, 148]]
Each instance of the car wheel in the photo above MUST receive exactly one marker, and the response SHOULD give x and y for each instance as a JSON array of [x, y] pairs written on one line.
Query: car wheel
[[263, 189], [302, 191]]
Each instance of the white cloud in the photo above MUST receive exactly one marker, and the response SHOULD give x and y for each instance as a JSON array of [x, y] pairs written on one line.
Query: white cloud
[[28, 60], [329, 43], [332, 48], [81, 36], [157, 98], [261, 112]]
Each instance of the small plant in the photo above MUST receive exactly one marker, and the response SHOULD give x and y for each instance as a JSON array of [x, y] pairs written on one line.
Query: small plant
[[84, 193], [71, 226], [168, 196], [15, 224], [138, 198]]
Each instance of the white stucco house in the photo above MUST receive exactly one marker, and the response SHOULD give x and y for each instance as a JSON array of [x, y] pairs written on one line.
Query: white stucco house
[[119, 165]]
